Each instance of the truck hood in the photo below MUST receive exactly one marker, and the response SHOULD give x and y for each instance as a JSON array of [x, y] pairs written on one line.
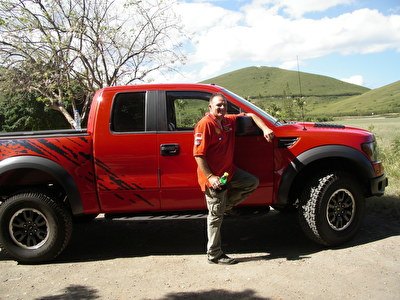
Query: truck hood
[[324, 129]]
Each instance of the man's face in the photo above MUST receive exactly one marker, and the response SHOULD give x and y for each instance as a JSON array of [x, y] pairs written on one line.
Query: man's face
[[218, 107]]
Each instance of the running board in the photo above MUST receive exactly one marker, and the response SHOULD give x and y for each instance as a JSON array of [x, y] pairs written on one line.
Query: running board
[[184, 215]]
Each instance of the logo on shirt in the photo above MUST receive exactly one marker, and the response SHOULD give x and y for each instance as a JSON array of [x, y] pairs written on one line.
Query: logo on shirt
[[198, 137], [227, 127]]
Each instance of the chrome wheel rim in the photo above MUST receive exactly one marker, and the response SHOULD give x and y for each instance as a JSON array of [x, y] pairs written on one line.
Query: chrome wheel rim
[[29, 228], [341, 210]]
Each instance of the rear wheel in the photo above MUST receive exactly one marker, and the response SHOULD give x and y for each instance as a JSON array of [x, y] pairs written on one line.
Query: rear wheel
[[331, 209], [34, 227]]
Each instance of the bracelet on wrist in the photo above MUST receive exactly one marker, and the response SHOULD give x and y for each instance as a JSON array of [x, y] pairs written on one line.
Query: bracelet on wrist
[[208, 177]]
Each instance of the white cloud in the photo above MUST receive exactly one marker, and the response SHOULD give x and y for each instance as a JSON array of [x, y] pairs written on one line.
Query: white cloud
[[260, 34], [201, 16], [290, 65], [355, 79], [295, 8]]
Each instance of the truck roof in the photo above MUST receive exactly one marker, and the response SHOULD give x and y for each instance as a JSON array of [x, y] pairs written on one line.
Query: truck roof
[[155, 86]]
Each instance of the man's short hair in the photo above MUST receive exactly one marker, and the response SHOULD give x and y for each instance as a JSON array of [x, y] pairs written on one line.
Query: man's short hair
[[216, 95]]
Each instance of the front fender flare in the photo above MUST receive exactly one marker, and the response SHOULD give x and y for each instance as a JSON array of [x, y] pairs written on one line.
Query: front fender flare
[[320, 153], [50, 167]]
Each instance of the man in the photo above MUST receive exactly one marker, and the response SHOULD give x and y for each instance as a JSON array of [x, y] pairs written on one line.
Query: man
[[214, 139]]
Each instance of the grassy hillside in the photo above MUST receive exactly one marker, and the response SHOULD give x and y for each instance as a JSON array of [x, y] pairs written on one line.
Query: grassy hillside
[[378, 101], [263, 82], [324, 96]]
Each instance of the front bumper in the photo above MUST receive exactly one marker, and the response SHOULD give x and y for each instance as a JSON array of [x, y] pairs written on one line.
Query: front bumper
[[378, 185]]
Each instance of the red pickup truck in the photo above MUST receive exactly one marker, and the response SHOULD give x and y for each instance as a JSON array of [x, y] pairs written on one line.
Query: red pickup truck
[[135, 157]]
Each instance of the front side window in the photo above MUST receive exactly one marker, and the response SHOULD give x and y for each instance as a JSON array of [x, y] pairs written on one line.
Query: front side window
[[129, 113], [185, 109]]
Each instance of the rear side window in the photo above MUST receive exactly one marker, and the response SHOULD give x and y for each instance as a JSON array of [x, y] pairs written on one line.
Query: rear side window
[[129, 113]]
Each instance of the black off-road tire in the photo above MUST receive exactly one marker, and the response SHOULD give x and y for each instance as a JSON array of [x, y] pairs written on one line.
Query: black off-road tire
[[331, 209], [34, 227]]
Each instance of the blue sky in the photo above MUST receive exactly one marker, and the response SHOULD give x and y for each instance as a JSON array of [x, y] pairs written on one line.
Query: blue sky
[[352, 40]]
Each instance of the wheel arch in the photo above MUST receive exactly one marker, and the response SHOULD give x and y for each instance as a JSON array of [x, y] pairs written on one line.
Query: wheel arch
[[35, 170], [333, 157]]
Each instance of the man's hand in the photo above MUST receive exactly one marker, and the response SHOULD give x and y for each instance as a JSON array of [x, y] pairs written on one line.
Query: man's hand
[[268, 134], [214, 182]]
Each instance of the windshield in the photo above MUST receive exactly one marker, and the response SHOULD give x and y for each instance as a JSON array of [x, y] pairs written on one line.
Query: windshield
[[254, 107]]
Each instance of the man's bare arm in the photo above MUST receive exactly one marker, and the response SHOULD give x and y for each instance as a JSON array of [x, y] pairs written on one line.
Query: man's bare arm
[[203, 165], [268, 133]]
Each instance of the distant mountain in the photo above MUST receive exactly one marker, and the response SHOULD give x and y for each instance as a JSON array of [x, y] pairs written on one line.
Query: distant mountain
[[264, 82]]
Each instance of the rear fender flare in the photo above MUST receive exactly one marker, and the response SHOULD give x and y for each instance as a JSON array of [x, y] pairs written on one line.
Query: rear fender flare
[[48, 166]]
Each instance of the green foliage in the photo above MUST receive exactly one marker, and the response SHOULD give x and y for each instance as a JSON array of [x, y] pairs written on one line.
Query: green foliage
[[20, 112], [320, 119], [189, 112], [390, 158]]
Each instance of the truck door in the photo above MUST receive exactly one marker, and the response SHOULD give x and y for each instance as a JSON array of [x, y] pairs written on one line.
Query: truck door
[[179, 187], [126, 153]]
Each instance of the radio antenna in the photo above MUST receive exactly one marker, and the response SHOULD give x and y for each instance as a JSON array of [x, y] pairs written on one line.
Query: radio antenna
[[300, 102], [298, 73]]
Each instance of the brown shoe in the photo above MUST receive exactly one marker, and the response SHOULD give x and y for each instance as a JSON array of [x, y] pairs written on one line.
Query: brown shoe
[[223, 260]]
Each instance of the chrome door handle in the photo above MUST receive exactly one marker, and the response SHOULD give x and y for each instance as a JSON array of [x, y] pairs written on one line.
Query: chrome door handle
[[169, 149]]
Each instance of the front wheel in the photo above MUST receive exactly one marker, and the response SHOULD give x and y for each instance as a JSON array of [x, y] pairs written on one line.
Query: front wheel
[[34, 227], [332, 208]]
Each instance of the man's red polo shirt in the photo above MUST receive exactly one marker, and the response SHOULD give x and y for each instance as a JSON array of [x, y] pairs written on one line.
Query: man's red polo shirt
[[216, 144]]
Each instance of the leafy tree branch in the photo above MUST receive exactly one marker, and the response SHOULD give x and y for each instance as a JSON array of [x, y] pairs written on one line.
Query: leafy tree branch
[[65, 50]]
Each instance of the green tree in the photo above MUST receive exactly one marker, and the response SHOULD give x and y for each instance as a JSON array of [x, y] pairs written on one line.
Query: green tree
[[49, 47], [180, 109], [274, 110], [18, 114], [301, 105], [288, 111]]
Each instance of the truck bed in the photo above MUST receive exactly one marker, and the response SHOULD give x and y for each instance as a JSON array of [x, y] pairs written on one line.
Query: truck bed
[[42, 133]]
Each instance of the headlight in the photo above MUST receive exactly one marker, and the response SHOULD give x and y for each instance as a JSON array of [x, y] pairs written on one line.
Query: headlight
[[370, 149]]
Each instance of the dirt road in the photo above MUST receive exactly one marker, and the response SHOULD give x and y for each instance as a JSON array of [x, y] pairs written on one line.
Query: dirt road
[[165, 259]]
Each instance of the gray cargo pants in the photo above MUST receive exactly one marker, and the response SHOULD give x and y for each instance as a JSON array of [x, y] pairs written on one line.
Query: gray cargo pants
[[241, 186]]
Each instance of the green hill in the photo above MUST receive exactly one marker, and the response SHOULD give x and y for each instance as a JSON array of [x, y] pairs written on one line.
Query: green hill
[[378, 101], [262, 82], [325, 96]]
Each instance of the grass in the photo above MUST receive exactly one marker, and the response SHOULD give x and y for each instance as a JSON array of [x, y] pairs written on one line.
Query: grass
[[264, 82], [387, 134]]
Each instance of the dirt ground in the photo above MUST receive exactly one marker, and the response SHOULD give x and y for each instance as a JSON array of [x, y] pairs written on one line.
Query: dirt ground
[[164, 259]]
